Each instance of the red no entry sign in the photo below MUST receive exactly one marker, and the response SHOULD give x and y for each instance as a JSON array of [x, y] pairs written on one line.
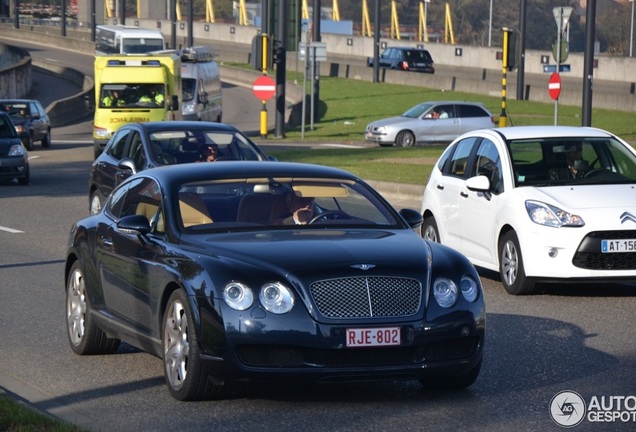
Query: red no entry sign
[[554, 86], [264, 87]]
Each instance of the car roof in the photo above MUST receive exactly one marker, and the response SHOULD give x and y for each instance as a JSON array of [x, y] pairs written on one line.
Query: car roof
[[521, 132], [17, 100], [185, 124], [184, 173], [407, 48], [456, 102]]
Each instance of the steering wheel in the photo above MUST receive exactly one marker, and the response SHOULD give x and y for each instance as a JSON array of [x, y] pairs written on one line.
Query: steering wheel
[[594, 172], [335, 214]]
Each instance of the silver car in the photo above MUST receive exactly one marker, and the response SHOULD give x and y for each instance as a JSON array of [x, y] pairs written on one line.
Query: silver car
[[430, 122]]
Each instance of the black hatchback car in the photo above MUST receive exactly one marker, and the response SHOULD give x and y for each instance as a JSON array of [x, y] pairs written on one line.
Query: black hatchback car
[[406, 59], [30, 120], [138, 146], [14, 162]]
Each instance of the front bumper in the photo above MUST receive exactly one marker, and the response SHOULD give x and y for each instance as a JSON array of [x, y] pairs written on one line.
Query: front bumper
[[575, 253], [379, 138], [13, 167], [422, 69], [292, 348]]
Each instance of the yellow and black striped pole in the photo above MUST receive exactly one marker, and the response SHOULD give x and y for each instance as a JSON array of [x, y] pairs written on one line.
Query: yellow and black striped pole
[[503, 117]]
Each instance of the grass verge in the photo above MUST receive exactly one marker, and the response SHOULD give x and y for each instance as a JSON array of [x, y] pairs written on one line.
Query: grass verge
[[347, 106], [16, 417]]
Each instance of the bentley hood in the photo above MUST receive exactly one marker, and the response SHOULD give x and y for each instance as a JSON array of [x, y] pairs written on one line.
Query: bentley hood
[[324, 251]]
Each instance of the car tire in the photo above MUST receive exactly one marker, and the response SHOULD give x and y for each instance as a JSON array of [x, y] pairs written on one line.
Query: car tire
[[24, 180], [405, 139], [28, 143], [429, 230], [185, 373], [96, 202], [453, 382], [84, 336], [46, 141], [511, 269]]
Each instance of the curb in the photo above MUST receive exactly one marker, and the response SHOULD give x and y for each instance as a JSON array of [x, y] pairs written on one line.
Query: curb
[[407, 194]]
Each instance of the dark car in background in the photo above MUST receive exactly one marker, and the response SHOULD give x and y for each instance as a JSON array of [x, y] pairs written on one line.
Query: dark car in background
[[14, 163], [406, 59], [139, 146], [30, 120], [196, 264]]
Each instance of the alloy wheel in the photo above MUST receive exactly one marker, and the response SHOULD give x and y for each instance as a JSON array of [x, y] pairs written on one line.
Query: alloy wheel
[[76, 307], [510, 263], [176, 347]]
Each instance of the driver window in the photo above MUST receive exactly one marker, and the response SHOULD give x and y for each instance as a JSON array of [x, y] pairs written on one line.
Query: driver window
[[144, 198], [446, 111], [488, 163], [136, 152], [459, 159], [119, 144]]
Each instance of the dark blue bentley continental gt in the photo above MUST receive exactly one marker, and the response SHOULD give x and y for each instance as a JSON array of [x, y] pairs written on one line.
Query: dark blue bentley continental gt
[[254, 271]]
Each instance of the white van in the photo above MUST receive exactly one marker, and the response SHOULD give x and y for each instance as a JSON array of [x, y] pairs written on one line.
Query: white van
[[120, 39], [201, 83]]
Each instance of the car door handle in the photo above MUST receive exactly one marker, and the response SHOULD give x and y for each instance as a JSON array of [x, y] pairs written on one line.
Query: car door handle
[[106, 242], [440, 187], [463, 194]]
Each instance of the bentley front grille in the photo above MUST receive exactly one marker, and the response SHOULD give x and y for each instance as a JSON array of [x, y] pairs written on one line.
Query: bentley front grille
[[367, 297]]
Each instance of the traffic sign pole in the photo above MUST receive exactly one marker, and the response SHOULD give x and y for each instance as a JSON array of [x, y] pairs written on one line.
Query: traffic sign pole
[[554, 90], [265, 58], [264, 88], [554, 86], [561, 16], [264, 120], [558, 63]]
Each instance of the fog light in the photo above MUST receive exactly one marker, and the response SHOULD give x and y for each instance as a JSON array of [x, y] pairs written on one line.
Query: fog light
[[465, 331], [553, 252]]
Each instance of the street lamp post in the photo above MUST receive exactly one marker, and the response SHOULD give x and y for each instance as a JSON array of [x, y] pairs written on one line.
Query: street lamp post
[[490, 25], [631, 30]]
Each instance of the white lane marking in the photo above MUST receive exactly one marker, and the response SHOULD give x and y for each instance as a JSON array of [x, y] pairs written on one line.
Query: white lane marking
[[10, 230]]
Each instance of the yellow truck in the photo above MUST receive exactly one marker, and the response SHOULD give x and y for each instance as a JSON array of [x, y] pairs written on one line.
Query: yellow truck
[[134, 88]]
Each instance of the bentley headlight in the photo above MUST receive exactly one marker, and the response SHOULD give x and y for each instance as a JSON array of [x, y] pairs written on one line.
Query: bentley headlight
[[548, 215], [445, 292], [469, 288], [276, 298], [238, 296]]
